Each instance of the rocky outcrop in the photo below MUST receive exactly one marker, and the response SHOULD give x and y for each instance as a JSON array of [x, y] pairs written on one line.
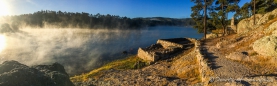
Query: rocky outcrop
[[271, 28], [247, 24], [265, 18], [266, 46], [13, 73]]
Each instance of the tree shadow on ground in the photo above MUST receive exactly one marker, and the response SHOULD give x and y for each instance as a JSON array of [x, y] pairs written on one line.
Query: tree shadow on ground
[[209, 56], [170, 78], [245, 83], [264, 75]]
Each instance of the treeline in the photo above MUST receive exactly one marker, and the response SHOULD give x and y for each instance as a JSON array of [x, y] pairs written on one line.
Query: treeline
[[47, 18]]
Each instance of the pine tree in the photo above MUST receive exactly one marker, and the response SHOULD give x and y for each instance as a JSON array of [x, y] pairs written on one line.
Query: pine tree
[[199, 14], [222, 8]]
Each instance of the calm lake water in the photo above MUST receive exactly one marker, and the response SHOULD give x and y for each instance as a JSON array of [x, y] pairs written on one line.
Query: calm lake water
[[81, 50]]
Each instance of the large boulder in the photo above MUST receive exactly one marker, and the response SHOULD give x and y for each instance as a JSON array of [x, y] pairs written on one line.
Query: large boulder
[[13, 73], [247, 24], [266, 46]]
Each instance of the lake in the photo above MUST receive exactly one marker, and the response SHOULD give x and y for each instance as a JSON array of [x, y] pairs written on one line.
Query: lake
[[81, 50]]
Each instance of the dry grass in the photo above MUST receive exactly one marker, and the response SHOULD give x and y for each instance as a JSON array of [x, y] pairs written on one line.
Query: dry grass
[[187, 58], [194, 76], [262, 65], [218, 31], [191, 73], [128, 63]]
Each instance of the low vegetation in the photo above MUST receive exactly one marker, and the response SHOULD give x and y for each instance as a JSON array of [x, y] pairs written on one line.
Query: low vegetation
[[132, 62], [192, 74], [270, 17], [262, 65]]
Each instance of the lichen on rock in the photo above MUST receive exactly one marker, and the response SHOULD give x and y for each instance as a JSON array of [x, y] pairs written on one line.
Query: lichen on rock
[[266, 46]]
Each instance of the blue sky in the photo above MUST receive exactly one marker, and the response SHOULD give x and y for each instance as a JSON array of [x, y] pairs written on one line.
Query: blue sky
[[129, 8]]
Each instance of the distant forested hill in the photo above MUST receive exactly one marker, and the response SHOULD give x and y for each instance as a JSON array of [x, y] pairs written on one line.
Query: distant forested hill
[[47, 18]]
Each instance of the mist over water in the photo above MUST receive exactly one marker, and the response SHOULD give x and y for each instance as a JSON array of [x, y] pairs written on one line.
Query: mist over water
[[81, 50]]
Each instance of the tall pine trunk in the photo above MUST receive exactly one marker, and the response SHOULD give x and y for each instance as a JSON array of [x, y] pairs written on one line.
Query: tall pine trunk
[[254, 12], [205, 20], [223, 19]]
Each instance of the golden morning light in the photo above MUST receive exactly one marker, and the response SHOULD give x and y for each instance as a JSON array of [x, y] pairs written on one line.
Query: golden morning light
[[4, 8]]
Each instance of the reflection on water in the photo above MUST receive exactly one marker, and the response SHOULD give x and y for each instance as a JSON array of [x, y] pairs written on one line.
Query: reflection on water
[[81, 50]]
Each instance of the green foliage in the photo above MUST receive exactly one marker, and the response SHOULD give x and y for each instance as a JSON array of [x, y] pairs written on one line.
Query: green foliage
[[263, 6], [197, 13], [243, 12], [217, 10], [270, 17]]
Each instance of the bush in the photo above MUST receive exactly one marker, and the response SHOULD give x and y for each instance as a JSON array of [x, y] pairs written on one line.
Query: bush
[[270, 17]]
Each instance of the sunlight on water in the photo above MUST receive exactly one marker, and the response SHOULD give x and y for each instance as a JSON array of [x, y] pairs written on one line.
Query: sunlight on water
[[2, 42]]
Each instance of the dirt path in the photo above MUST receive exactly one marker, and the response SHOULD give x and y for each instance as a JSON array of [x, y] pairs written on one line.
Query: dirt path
[[222, 67]]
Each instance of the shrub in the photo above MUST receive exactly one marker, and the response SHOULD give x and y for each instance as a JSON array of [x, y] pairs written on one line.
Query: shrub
[[270, 17]]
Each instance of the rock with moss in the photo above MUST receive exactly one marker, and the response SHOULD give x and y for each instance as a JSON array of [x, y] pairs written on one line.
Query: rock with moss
[[266, 46], [13, 73]]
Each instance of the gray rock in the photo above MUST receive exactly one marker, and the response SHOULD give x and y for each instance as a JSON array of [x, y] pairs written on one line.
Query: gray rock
[[13, 73], [266, 46], [246, 25], [239, 56]]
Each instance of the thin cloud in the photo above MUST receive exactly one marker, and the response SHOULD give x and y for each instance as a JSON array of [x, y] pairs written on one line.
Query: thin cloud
[[30, 1]]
